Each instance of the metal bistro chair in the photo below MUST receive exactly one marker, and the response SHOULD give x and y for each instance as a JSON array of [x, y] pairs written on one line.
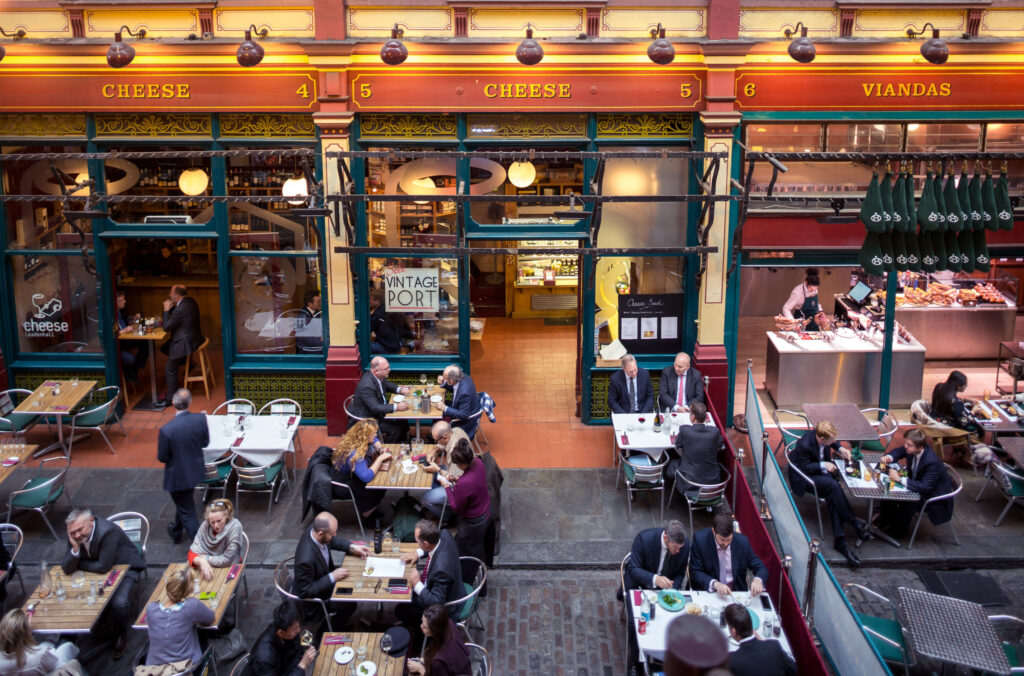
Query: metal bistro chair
[[642, 474], [283, 582], [465, 608], [812, 489], [286, 407], [1011, 483], [479, 659], [136, 527], [475, 439], [958, 485], [347, 405], [259, 479], [207, 663], [217, 475], [236, 407], [708, 495], [241, 665], [95, 419], [11, 422], [355, 507], [1010, 639], [886, 633], [38, 494], [12, 538], [789, 434], [622, 585], [886, 425], [242, 559]]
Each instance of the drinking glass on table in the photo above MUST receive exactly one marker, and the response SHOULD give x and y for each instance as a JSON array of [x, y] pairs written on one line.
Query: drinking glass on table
[[306, 638], [385, 645], [361, 653], [423, 379], [78, 579]]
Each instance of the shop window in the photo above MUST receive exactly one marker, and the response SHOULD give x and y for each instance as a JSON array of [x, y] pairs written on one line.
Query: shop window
[[414, 224], [40, 225], [271, 311], [413, 305], [1005, 136], [943, 136], [526, 125], [268, 225], [616, 278], [55, 304], [643, 224], [865, 137], [177, 177], [537, 177]]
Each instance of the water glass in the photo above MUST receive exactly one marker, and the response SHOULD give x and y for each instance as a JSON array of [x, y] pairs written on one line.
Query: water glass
[[78, 579], [766, 626], [361, 653], [394, 546]]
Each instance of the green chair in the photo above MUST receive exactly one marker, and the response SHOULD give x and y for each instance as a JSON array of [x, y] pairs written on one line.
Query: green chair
[[267, 479], [886, 424], [217, 474], [136, 527], [11, 422], [707, 496], [1011, 483], [39, 493], [789, 434], [1010, 631], [641, 474], [886, 633], [958, 485], [12, 539], [97, 418], [465, 608]]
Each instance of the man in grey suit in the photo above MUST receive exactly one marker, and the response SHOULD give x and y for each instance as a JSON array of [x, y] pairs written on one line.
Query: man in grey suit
[[180, 447], [697, 446], [680, 385], [370, 401]]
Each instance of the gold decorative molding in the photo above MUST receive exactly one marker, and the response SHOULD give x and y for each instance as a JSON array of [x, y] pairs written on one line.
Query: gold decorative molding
[[153, 124], [633, 23], [37, 24], [168, 22], [772, 23], [644, 124], [512, 22], [894, 23], [280, 21], [42, 125], [514, 125], [407, 126], [1002, 22], [243, 125], [377, 22]]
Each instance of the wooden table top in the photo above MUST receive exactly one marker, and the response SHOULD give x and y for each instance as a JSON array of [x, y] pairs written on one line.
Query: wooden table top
[[218, 583], [413, 413], [356, 566], [43, 400], [415, 481], [326, 666], [22, 451], [72, 615], [156, 334]]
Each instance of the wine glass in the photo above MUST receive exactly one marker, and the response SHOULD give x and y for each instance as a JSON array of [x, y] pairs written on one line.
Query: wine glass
[[423, 379], [306, 638], [385, 645]]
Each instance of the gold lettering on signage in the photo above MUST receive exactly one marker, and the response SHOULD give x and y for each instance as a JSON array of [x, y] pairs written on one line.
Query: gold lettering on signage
[[146, 91], [522, 90], [906, 89], [750, 89]]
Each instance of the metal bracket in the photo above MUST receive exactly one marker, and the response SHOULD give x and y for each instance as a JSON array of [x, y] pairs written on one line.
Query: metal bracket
[[63, 179]]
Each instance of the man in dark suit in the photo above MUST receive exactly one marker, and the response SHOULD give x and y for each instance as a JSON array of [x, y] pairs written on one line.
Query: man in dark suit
[[180, 447], [658, 558], [309, 337], [465, 403], [385, 337], [315, 570], [671, 396], [630, 389], [441, 581], [96, 545], [720, 559], [812, 455], [698, 445], [370, 400], [927, 477], [181, 320], [754, 657]]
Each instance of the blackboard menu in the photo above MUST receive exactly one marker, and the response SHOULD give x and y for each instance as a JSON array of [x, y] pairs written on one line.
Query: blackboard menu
[[651, 323]]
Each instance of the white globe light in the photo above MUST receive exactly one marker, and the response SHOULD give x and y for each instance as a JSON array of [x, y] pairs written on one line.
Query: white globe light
[[425, 185], [522, 174], [295, 187], [193, 181]]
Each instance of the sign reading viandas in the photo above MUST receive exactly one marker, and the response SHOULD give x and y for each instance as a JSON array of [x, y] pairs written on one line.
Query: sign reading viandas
[[411, 289]]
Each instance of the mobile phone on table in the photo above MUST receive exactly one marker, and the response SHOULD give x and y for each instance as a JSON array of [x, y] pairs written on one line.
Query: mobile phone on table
[[397, 582], [343, 591], [765, 603]]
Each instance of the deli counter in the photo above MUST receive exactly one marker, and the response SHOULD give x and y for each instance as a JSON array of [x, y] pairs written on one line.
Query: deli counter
[[545, 285]]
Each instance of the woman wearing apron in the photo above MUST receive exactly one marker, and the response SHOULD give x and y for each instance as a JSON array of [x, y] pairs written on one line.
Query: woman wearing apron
[[803, 301]]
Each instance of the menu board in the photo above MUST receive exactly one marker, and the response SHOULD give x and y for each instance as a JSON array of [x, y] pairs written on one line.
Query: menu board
[[649, 323]]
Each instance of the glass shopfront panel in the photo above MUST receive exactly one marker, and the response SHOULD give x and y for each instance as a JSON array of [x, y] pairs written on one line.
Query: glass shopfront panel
[[177, 177], [55, 303], [413, 224], [271, 313], [537, 177], [618, 276], [413, 305], [41, 225]]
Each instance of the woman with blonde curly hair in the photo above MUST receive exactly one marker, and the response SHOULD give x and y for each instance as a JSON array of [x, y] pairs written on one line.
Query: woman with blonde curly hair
[[356, 461]]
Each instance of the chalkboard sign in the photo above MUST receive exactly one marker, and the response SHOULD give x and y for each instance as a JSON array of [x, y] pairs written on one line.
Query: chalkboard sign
[[651, 323]]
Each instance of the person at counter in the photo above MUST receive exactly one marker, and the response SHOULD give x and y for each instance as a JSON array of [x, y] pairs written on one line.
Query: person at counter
[[135, 353], [630, 389], [167, 264], [803, 301], [181, 320], [926, 476], [681, 385]]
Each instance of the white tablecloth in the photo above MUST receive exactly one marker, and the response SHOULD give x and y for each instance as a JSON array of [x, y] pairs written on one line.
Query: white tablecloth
[[643, 438], [652, 644], [262, 443]]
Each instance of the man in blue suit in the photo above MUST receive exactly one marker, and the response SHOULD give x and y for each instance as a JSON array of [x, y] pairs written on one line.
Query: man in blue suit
[[927, 477], [465, 403], [720, 559], [630, 390], [180, 447], [658, 558]]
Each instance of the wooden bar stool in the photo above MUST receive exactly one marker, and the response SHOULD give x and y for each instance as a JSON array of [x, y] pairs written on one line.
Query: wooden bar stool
[[204, 369]]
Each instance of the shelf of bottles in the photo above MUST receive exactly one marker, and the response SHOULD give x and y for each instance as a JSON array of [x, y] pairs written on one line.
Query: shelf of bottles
[[531, 269]]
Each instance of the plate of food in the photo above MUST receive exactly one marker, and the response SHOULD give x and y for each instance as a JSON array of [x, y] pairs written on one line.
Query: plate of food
[[671, 600], [366, 668], [692, 609], [398, 398], [436, 399], [344, 654]]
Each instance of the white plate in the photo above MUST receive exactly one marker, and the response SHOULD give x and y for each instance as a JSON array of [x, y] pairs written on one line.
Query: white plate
[[370, 667], [344, 655], [398, 398], [436, 399]]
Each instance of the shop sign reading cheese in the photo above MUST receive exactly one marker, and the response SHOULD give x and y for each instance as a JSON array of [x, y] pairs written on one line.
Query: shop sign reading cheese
[[922, 88], [411, 289]]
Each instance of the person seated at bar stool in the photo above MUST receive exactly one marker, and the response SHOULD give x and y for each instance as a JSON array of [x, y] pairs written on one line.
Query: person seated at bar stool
[[720, 559], [446, 653], [927, 477], [134, 354], [305, 343], [447, 438], [465, 402], [277, 651], [181, 320], [173, 624], [754, 657], [630, 389], [20, 655], [356, 461], [218, 544], [468, 497], [370, 401]]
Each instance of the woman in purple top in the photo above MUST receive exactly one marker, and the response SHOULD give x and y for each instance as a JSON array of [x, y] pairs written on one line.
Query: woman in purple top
[[468, 497], [172, 624], [446, 653], [356, 461]]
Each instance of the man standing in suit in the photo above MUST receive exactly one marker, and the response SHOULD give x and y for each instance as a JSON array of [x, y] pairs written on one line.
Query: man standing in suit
[[812, 455], [315, 570], [698, 445], [441, 581], [180, 447], [385, 338], [927, 477], [754, 657], [658, 558], [309, 338], [181, 320], [370, 400], [630, 389], [96, 545], [465, 403], [681, 385], [720, 559]]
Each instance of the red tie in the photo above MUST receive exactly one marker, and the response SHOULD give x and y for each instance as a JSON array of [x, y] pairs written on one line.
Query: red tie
[[682, 390], [427, 567]]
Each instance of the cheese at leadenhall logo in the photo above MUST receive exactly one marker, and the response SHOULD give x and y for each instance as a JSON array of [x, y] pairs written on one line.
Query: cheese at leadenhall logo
[[40, 325]]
